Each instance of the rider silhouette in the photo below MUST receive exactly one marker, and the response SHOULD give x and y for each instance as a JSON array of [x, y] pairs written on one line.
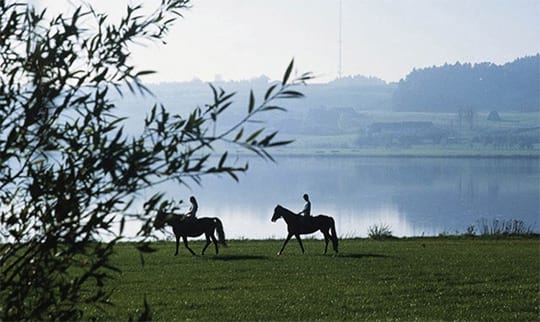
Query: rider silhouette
[[192, 212], [307, 208]]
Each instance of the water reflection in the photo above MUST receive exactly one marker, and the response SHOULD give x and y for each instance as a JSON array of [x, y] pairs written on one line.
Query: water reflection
[[414, 196]]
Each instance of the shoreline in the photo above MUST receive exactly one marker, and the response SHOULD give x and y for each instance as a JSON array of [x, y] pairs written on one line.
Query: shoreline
[[396, 153]]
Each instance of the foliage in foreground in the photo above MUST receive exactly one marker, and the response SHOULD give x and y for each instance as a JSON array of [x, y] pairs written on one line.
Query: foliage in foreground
[[424, 279], [497, 227], [68, 172], [379, 231]]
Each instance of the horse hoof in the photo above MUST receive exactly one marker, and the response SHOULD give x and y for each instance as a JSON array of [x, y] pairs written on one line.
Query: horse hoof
[[279, 253]]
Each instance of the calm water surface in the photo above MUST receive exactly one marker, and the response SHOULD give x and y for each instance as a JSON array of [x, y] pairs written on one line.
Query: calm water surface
[[414, 196]]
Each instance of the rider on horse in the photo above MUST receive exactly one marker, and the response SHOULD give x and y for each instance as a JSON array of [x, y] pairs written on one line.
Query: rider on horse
[[192, 212], [307, 207]]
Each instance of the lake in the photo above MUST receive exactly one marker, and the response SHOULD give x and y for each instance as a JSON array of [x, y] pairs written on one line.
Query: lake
[[414, 196]]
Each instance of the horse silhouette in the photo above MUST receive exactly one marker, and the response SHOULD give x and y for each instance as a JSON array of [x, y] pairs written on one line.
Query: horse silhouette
[[298, 225], [184, 226]]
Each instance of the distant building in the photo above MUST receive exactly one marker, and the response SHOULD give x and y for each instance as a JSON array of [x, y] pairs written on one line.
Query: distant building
[[405, 133], [494, 116], [399, 127]]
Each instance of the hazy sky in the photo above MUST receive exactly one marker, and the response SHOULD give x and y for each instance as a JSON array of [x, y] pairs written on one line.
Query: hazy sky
[[242, 39]]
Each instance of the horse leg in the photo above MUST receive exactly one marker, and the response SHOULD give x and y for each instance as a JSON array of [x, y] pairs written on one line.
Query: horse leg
[[335, 243], [333, 235], [285, 243], [206, 246], [186, 245], [177, 244], [300, 242], [215, 242], [326, 238]]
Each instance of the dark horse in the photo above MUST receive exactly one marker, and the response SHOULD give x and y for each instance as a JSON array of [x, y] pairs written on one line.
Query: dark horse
[[298, 225], [185, 227]]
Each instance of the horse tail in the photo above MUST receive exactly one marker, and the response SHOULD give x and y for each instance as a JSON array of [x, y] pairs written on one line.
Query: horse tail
[[220, 232], [334, 234]]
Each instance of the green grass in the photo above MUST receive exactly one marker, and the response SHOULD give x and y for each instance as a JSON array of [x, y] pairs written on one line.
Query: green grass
[[346, 143], [405, 279], [424, 151]]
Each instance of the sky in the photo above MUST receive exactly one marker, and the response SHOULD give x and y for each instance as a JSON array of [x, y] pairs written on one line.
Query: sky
[[244, 39]]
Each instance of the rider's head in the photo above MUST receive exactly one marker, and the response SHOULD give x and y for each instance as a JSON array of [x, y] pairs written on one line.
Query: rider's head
[[192, 199], [306, 197]]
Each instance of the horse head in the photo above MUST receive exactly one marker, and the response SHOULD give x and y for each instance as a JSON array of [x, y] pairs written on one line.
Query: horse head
[[278, 212], [161, 219]]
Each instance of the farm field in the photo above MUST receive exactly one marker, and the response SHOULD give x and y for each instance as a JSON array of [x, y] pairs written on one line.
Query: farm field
[[484, 138], [423, 151], [443, 278]]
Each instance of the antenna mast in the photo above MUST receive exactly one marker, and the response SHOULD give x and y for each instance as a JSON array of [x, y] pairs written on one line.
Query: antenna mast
[[340, 43]]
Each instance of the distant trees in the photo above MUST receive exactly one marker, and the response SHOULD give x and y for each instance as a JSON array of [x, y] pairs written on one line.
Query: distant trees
[[483, 87], [513, 86], [68, 171]]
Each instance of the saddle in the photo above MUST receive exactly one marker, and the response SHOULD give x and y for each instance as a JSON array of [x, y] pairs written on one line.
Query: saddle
[[188, 219], [306, 220]]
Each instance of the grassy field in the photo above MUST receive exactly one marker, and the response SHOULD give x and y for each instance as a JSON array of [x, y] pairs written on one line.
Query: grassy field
[[346, 141], [424, 151], [404, 279]]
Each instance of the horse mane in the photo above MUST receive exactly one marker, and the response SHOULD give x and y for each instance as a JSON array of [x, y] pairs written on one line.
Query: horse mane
[[169, 217], [280, 207], [178, 217]]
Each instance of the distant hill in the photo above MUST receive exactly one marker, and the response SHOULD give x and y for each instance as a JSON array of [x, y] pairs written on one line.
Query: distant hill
[[339, 98], [338, 106], [514, 86], [358, 92]]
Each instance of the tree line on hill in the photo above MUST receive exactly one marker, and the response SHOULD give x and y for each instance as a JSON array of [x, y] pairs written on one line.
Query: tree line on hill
[[336, 106], [481, 87], [513, 86]]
